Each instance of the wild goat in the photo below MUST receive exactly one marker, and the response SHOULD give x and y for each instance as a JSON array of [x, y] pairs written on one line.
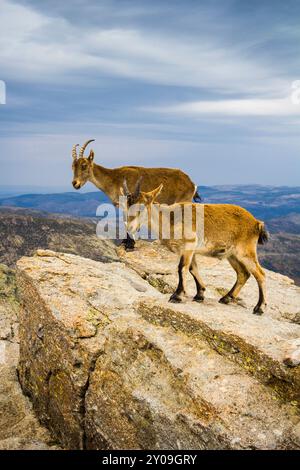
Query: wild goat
[[221, 231], [178, 187]]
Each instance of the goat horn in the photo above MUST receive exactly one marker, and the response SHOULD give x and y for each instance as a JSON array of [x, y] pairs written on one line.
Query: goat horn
[[74, 151], [138, 187], [81, 152], [126, 190]]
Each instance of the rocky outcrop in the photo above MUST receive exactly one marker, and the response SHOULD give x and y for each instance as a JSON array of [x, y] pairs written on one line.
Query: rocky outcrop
[[108, 363], [19, 427], [23, 231]]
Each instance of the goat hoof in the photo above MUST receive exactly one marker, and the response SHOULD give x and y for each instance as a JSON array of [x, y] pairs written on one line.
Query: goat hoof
[[226, 299], [129, 248], [258, 310], [128, 244], [175, 299], [198, 298]]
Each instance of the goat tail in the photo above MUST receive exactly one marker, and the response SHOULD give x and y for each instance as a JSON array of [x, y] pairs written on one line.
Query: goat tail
[[197, 197], [263, 235]]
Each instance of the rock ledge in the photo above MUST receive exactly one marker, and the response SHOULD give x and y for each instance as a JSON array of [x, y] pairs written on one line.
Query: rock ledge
[[108, 363]]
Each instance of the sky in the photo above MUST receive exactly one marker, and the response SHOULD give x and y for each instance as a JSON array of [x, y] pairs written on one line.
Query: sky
[[211, 87]]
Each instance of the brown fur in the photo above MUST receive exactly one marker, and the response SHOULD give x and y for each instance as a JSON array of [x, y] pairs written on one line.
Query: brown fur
[[230, 232], [177, 185]]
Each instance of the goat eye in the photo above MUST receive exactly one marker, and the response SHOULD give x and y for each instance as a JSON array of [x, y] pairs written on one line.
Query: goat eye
[[83, 167]]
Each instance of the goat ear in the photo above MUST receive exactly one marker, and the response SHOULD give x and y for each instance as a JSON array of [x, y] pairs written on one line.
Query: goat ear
[[122, 191], [156, 192], [152, 195], [91, 156]]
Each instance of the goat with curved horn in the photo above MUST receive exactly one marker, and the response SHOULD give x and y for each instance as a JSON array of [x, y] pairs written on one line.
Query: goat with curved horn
[[222, 231], [178, 186], [81, 152], [74, 151]]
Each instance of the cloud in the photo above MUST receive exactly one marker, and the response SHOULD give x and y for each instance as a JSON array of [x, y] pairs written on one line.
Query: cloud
[[37, 47], [239, 107], [83, 69]]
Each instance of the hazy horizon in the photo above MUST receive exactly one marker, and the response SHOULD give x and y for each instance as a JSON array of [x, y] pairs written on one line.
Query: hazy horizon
[[19, 190]]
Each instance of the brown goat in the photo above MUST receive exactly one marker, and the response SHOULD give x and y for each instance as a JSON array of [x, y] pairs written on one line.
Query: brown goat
[[178, 186], [226, 232]]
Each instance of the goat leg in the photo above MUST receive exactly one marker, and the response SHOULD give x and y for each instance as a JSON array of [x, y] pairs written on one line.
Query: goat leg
[[128, 243]]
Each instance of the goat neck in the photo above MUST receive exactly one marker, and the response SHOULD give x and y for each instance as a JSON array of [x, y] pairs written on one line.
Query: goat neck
[[102, 178]]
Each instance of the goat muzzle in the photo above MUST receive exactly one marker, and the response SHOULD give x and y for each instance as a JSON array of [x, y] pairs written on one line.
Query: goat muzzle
[[76, 184]]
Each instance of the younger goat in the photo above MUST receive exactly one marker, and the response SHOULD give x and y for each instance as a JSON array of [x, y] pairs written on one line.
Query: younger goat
[[216, 230]]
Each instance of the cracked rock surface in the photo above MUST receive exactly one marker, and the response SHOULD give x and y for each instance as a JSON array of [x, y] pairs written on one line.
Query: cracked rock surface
[[19, 427], [108, 363]]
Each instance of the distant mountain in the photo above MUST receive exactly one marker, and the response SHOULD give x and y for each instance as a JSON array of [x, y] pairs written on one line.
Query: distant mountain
[[75, 204], [282, 254], [24, 231], [265, 202], [289, 223]]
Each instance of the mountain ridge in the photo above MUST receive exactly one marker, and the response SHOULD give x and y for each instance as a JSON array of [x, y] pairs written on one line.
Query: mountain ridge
[[263, 201]]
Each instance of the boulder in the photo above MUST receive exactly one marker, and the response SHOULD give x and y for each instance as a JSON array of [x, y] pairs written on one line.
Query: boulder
[[108, 363]]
